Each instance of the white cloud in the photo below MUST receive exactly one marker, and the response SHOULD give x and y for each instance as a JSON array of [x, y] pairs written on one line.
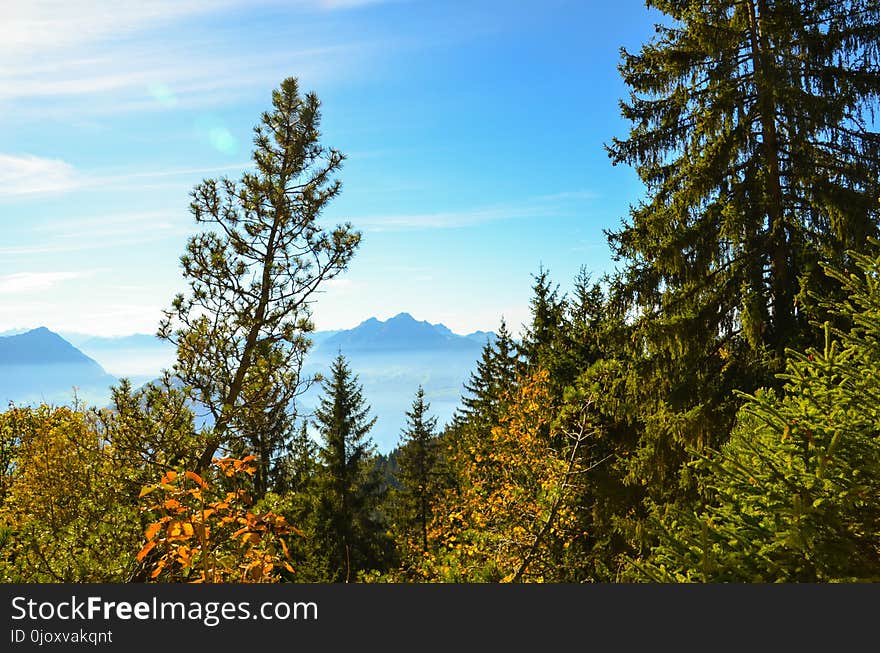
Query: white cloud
[[143, 56], [33, 175], [570, 195], [28, 175], [25, 282], [545, 206], [37, 25], [346, 4], [58, 235]]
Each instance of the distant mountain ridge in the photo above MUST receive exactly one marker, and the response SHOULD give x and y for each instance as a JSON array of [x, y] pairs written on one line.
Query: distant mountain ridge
[[40, 365], [391, 358], [401, 332], [41, 347]]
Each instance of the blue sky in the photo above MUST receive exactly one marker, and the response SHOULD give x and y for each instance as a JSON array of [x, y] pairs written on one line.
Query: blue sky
[[473, 131]]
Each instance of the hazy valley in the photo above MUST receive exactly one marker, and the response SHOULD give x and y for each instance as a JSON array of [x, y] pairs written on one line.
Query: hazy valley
[[392, 358]]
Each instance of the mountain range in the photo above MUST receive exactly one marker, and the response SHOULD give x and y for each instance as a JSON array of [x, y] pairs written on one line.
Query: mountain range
[[40, 365], [391, 358]]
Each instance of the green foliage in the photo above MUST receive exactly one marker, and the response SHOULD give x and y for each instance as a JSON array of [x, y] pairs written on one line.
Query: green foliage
[[420, 477], [795, 494], [152, 427], [751, 129], [350, 530], [489, 384]]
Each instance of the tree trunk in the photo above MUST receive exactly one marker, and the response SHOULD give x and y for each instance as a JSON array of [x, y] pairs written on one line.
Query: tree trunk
[[781, 289]]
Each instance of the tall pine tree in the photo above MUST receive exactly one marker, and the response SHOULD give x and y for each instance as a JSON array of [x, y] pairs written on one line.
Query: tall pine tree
[[240, 330], [753, 131]]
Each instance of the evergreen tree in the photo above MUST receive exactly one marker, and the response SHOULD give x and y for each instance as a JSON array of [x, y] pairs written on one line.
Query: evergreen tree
[[491, 382], [581, 334], [295, 494], [295, 470], [540, 346], [418, 458], [350, 527], [794, 495], [241, 329], [752, 130]]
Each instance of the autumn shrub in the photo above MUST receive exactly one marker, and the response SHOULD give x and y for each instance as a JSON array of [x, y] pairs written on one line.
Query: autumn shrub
[[206, 530]]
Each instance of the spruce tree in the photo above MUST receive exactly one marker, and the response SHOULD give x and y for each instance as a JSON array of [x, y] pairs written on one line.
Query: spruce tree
[[490, 383], [540, 346], [753, 131], [794, 495], [418, 457], [350, 526]]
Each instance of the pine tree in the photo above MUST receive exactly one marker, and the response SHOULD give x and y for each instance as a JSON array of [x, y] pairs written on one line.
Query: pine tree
[[241, 329], [752, 129], [350, 527], [418, 458]]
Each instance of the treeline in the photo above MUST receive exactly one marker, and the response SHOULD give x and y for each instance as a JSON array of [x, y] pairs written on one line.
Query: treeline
[[709, 412]]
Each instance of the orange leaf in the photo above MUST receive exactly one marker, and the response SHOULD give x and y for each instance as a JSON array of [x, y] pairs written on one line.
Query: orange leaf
[[152, 530], [170, 475], [198, 479], [180, 529], [149, 546], [184, 556]]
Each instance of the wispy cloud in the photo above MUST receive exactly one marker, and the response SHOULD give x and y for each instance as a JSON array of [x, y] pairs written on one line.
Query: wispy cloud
[[42, 24], [122, 225], [32, 175], [140, 55], [28, 175], [570, 195], [57, 235], [545, 206], [26, 282], [102, 319]]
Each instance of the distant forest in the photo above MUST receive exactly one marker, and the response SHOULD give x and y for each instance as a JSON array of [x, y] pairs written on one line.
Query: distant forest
[[708, 412]]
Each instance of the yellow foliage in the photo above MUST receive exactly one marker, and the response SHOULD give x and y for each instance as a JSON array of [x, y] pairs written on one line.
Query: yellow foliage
[[511, 507]]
